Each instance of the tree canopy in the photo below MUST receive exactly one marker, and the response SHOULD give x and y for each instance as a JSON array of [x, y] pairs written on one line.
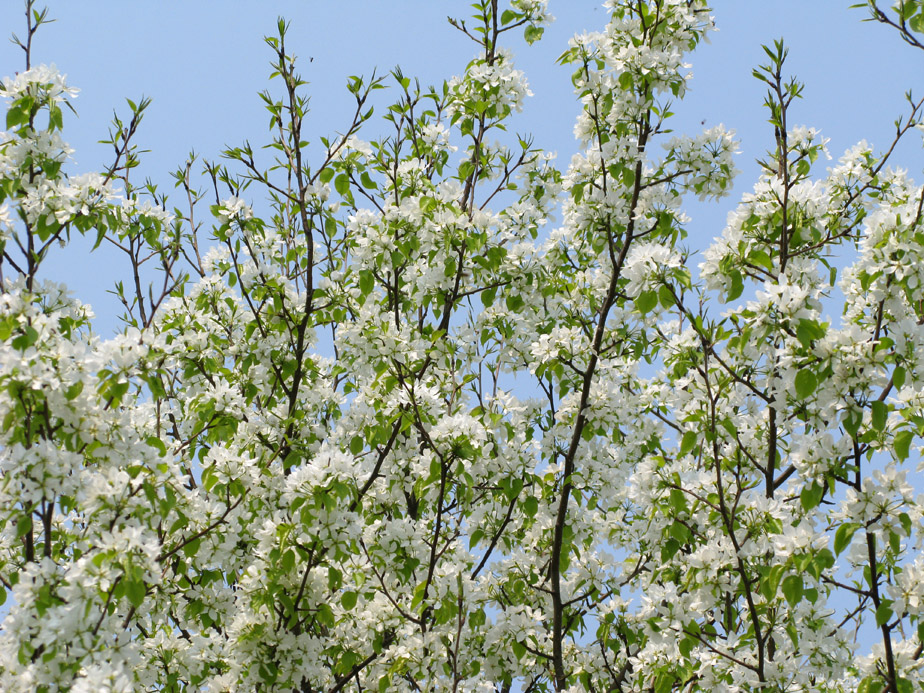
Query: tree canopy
[[374, 423]]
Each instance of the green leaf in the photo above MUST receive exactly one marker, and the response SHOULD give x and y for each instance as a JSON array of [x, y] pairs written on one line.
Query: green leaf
[[664, 683], [902, 444], [519, 649], [688, 442], [18, 114], [533, 34], [348, 600], [884, 613], [761, 259], [511, 488], [55, 118], [737, 286], [158, 445], [23, 526], [427, 203], [135, 590], [357, 444], [880, 415], [342, 184], [531, 506], [669, 549], [330, 226], [843, 536], [73, 390], [334, 579], [367, 181], [808, 332], [191, 547], [646, 301], [852, 420], [466, 169], [26, 339], [793, 587], [811, 495], [771, 583], [380, 435], [905, 9], [665, 297], [871, 684], [366, 282], [806, 382], [898, 377], [680, 532], [116, 390], [917, 23]]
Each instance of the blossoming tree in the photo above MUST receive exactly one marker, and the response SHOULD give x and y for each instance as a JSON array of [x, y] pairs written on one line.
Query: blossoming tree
[[306, 464]]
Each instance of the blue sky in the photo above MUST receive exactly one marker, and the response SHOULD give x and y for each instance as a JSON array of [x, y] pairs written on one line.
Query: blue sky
[[203, 62]]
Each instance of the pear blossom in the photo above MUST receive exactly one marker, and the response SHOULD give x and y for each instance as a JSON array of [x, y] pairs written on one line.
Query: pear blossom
[[449, 417]]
